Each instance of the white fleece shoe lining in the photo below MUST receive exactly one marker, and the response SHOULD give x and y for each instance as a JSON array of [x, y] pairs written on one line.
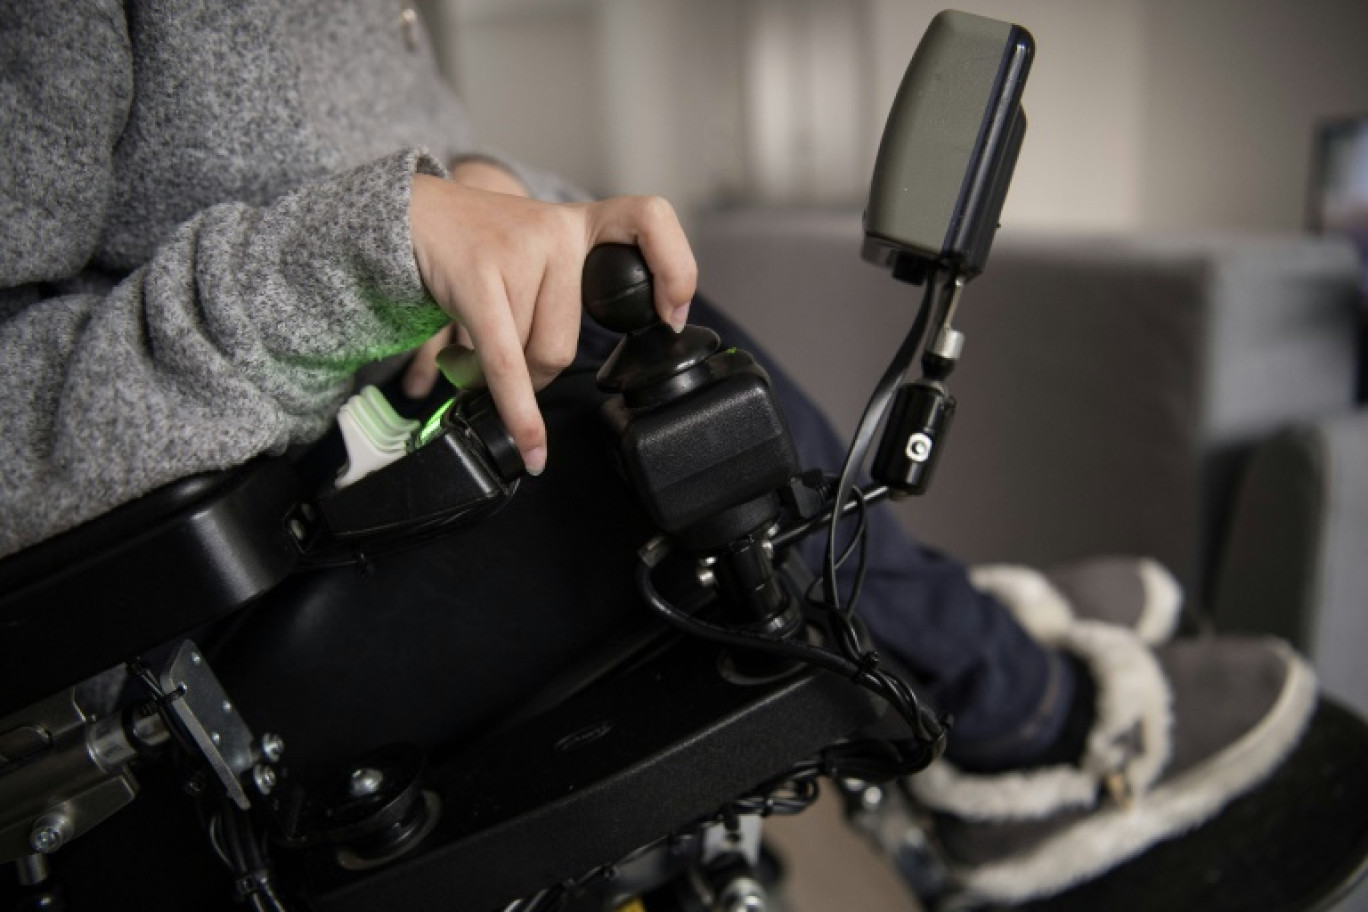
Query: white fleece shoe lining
[[1163, 603], [1039, 606], [1036, 604], [1131, 693], [1112, 834]]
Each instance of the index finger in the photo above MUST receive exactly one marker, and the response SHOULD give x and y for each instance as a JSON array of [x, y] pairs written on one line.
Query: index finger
[[499, 349]]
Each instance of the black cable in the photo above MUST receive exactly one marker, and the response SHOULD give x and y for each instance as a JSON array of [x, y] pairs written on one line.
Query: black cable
[[253, 880], [789, 535], [861, 539], [863, 671], [843, 620], [874, 411]]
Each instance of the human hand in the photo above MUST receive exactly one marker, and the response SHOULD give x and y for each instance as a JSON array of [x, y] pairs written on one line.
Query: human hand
[[421, 374], [507, 270]]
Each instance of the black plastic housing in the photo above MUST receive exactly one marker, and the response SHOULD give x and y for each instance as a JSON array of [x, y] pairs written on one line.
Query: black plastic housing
[[949, 147], [467, 467], [913, 438], [722, 444], [645, 752], [151, 570]]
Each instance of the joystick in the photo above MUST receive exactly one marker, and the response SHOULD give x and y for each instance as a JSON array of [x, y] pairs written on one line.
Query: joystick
[[699, 435], [653, 363], [617, 288]]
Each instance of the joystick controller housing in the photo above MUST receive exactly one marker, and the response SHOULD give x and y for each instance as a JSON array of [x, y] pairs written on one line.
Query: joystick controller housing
[[699, 434]]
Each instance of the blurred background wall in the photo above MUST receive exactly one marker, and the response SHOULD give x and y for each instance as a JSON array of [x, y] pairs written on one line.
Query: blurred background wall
[[1144, 114]]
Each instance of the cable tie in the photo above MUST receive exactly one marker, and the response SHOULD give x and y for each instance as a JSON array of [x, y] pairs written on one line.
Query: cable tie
[[867, 665], [654, 551]]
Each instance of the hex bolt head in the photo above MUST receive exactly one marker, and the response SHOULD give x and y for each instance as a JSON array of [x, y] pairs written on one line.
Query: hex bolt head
[[50, 832], [365, 781], [264, 777], [272, 747]]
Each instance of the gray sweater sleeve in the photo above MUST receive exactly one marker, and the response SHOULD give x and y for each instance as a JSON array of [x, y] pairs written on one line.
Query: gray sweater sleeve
[[237, 337]]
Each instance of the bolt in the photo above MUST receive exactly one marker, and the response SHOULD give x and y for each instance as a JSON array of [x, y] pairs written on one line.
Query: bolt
[[272, 747], [216, 738], [264, 777], [871, 798], [298, 529], [226, 706], [365, 781], [742, 895], [706, 578], [195, 658], [50, 832]]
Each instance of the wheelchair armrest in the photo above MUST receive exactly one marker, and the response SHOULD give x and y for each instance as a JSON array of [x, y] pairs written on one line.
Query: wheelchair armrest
[[179, 557]]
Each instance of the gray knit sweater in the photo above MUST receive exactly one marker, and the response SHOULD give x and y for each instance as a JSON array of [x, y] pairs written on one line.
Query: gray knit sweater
[[205, 210]]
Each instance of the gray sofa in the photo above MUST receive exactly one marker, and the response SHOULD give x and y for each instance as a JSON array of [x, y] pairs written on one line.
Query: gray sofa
[[1192, 399]]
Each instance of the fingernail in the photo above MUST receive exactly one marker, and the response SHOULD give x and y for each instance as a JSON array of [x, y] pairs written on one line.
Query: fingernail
[[534, 460], [679, 317]]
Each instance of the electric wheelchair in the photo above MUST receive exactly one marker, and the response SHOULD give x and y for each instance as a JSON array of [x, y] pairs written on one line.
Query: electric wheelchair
[[380, 678]]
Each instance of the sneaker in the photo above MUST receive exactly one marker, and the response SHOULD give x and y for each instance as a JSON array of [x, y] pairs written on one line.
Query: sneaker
[[1138, 594], [1178, 733]]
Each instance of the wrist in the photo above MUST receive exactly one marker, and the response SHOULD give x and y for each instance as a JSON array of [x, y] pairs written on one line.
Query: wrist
[[486, 174]]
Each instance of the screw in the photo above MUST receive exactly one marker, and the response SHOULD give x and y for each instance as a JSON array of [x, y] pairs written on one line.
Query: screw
[[871, 798], [50, 832], [264, 777], [272, 747], [365, 781], [298, 529], [195, 658], [215, 737]]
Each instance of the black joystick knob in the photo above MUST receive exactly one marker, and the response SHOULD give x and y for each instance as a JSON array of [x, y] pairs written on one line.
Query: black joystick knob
[[652, 362], [617, 288]]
